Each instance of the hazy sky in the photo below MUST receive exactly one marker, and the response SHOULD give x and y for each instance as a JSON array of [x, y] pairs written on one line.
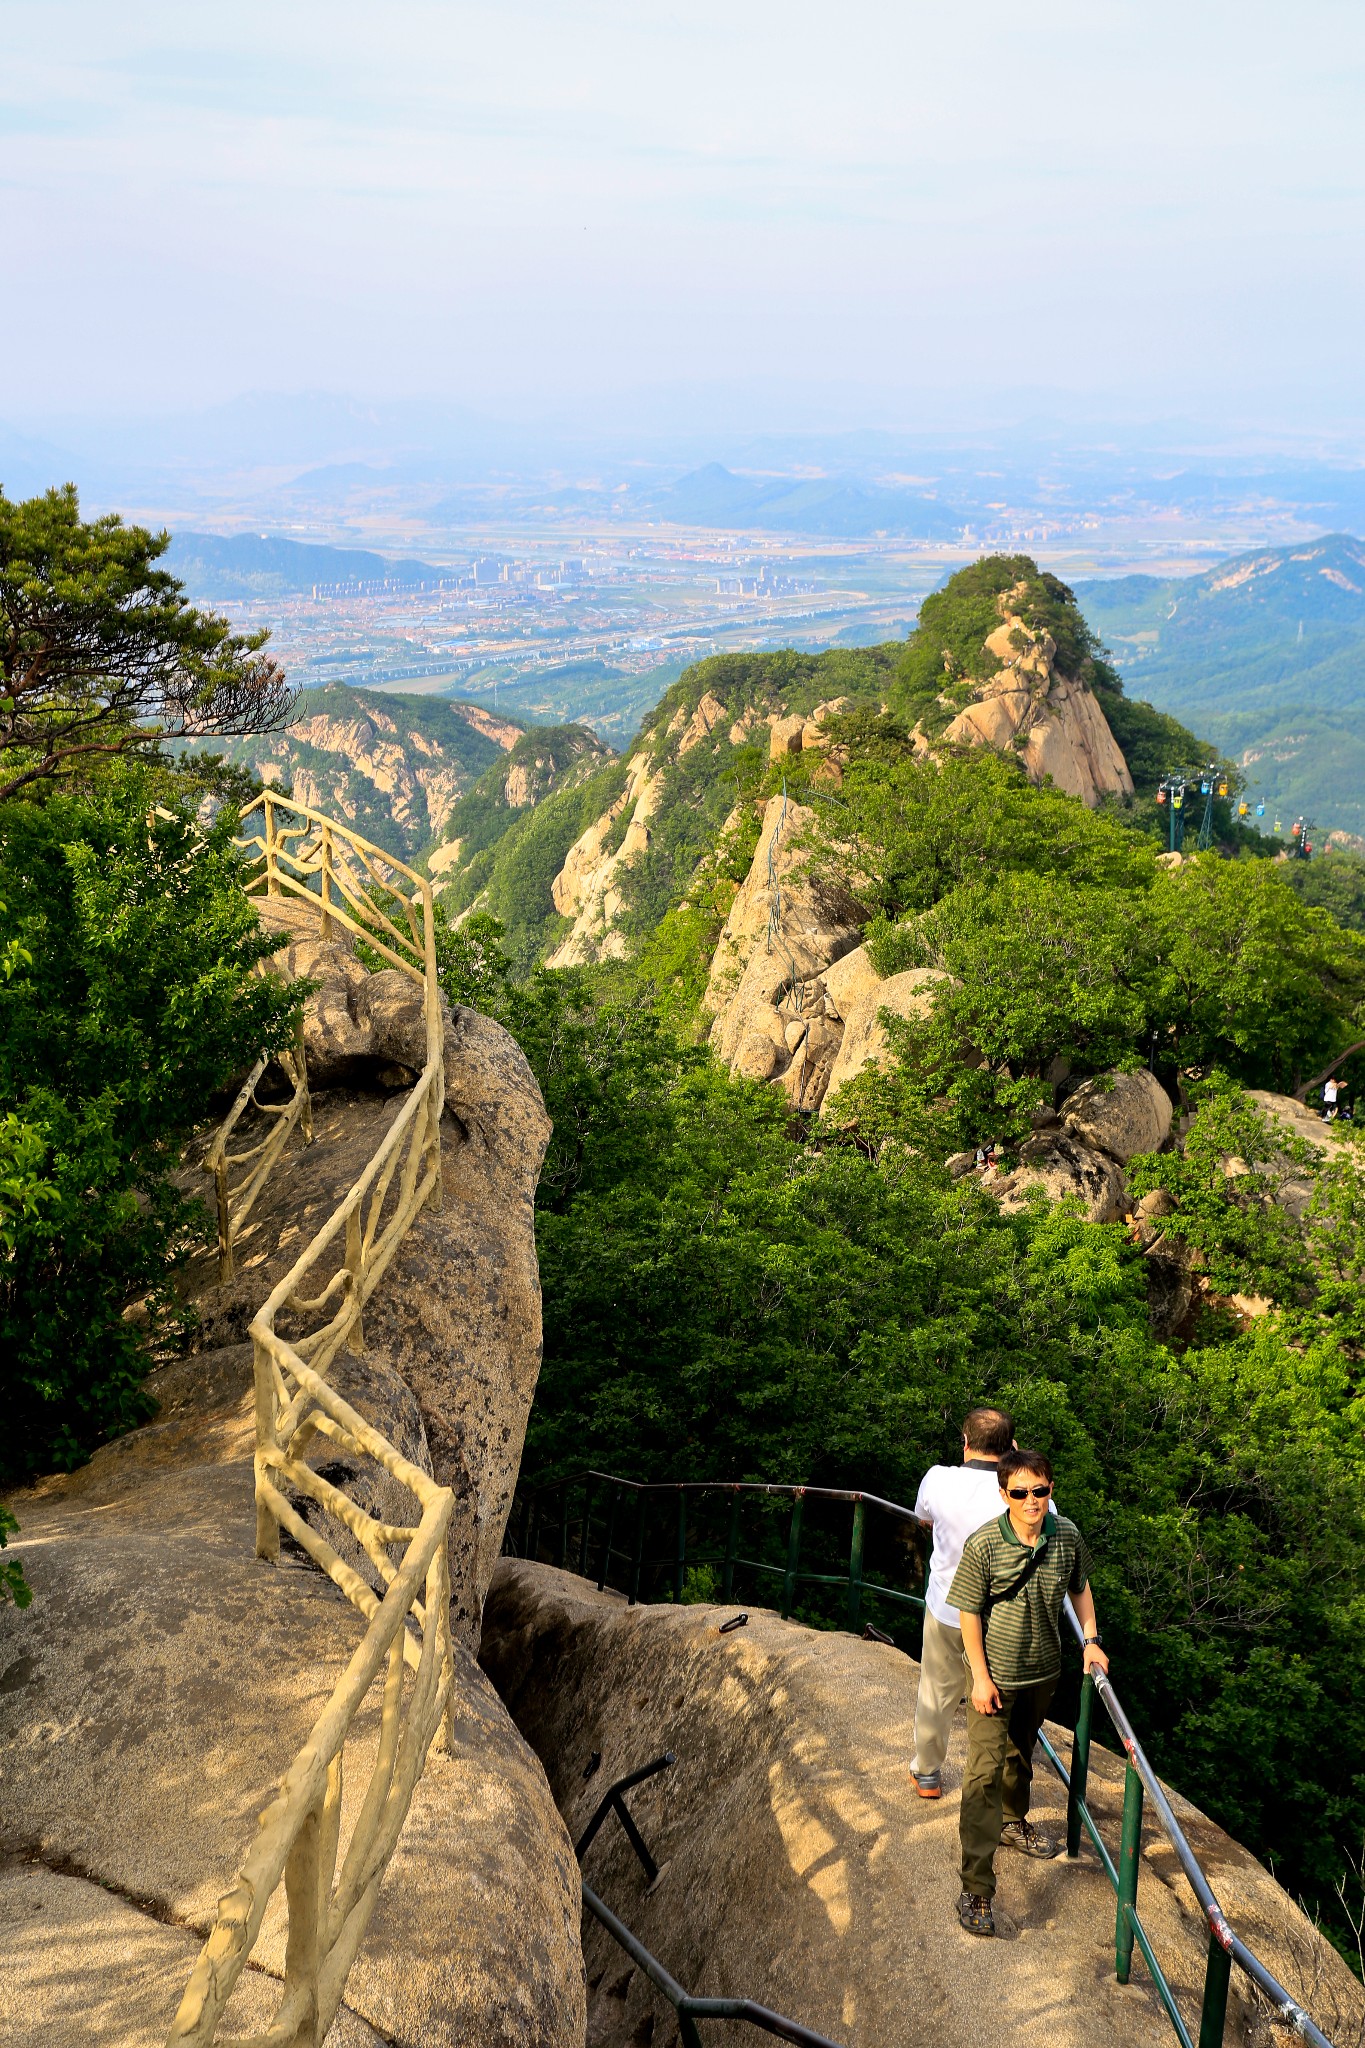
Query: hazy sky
[[863, 210]]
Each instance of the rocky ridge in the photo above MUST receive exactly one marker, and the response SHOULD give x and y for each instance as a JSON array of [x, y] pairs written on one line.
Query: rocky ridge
[[392, 766], [788, 970], [1051, 721], [1026, 707], [541, 763], [723, 724], [796, 1865]]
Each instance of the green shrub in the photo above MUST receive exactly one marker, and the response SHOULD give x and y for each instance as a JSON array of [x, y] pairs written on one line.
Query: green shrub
[[133, 1001]]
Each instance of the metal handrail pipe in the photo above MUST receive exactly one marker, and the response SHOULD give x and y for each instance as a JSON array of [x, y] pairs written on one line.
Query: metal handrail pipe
[[690, 2008], [614, 1793], [872, 1500], [1287, 2008]]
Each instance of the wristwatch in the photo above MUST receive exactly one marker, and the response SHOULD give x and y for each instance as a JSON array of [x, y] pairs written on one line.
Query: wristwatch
[[1087, 1640]]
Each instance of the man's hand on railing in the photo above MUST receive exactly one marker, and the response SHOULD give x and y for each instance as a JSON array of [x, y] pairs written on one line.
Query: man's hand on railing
[[1092, 1656]]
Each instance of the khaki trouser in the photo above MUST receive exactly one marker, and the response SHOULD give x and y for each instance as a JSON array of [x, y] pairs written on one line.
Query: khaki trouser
[[945, 1679], [999, 1777]]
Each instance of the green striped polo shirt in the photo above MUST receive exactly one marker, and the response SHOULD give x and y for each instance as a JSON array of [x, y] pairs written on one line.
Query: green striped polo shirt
[[1020, 1599]]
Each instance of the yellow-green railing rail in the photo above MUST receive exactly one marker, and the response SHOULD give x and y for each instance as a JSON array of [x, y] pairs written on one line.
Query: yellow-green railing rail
[[234, 1201], [329, 1895], [349, 885]]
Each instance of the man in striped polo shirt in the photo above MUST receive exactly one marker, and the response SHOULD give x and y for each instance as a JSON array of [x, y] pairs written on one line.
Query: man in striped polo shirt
[[1009, 1589]]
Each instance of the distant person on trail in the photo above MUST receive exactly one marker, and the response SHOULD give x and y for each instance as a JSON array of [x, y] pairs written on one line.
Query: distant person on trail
[[1009, 1589], [1330, 1091], [953, 1500]]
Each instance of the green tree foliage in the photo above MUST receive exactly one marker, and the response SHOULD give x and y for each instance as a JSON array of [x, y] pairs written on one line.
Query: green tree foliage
[[100, 652], [510, 875], [946, 657], [906, 832], [733, 1293], [725, 1298], [132, 999], [1066, 940], [1333, 881], [14, 1587]]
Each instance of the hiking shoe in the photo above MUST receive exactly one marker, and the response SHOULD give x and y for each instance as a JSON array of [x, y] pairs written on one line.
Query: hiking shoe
[[975, 1913], [929, 1784], [1029, 1840]]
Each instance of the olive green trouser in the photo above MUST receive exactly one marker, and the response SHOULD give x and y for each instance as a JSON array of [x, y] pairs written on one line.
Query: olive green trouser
[[999, 1777]]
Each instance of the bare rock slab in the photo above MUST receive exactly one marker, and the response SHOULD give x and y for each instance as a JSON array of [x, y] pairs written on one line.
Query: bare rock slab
[[84, 1968], [799, 1867]]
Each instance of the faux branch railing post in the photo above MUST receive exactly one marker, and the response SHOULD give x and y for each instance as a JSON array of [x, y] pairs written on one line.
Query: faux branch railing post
[[406, 1603]]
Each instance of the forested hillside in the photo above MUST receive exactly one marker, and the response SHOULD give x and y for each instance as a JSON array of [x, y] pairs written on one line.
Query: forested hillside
[[504, 841], [1265, 654]]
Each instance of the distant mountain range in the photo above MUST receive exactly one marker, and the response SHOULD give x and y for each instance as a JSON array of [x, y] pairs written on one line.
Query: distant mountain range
[[262, 565], [1265, 654], [714, 496]]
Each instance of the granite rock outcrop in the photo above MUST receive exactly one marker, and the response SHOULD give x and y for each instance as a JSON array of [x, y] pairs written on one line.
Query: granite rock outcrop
[[797, 1866], [1052, 722], [164, 1678]]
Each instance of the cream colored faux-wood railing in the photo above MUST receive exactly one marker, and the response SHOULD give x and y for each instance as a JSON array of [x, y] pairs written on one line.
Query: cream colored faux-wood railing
[[299, 1838], [235, 1203]]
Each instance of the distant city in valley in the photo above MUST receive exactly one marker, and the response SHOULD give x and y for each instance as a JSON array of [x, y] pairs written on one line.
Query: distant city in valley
[[501, 621], [418, 551]]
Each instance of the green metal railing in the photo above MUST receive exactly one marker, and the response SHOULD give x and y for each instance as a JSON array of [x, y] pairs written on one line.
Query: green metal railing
[[587, 1544], [689, 2008], [608, 1539]]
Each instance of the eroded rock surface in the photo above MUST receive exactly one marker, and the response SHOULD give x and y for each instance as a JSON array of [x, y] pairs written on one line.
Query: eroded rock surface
[[1052, 722], [155, 1693], [766, 991], [1120, 1114], [909, 994], [457, 1318], [164, 1678], [799, 1868], [1056, 1162], [111, 1992], [588, 888]]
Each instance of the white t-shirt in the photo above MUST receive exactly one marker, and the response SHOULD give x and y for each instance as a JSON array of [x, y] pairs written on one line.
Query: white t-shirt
[[957, 1499]]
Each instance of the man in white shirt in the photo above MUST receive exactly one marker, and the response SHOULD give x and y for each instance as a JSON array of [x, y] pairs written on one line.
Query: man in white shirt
[[954, 1501]]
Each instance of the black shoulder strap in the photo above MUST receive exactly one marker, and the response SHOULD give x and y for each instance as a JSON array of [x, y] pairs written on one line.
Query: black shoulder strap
[[1022, 1580]]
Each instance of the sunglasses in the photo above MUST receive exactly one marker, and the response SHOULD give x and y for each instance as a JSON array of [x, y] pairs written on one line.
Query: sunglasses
[[1023, 1492]]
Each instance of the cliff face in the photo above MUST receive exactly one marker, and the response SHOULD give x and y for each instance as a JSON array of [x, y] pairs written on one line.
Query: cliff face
[[541, 763], [588, 888], [1053, 723], [392, 766], [712, 736], [727, 727]]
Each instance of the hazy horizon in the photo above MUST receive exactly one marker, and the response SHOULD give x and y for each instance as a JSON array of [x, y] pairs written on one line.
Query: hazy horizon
[[710, 221]]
